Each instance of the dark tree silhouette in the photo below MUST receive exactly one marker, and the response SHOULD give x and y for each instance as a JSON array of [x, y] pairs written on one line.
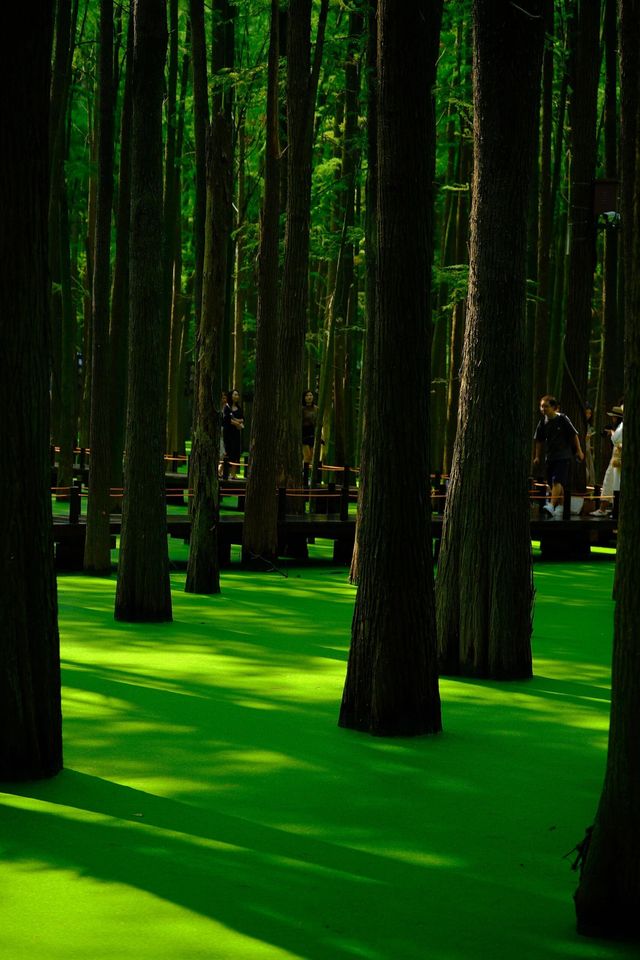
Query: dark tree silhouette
[[97, 554], [484, 587], [391, 688], [30, 714], [302, 84], [608, 897], [203, 573], [143, 572], [259, 534]]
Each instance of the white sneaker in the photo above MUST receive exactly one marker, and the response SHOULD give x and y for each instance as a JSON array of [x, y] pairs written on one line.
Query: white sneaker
[[548, 508], [558, 513], [600, 512]]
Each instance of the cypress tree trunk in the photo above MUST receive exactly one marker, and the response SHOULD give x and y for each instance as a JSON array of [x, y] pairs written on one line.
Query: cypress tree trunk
[[200, 124], [119, 324], [97, 552], [203, 573], [484, 587], [302, 82], [391, 688], [545, 211], [608, 897], [582, 115], [63, 421], [260, 534], [371, 243], [179, 306], [143, 572], [30, 714], [612, 360]]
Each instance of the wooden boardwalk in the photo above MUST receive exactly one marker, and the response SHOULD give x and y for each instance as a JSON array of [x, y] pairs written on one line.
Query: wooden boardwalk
[[559, 539]]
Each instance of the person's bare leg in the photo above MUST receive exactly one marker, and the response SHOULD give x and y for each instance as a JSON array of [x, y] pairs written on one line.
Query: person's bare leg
[[557, 494]]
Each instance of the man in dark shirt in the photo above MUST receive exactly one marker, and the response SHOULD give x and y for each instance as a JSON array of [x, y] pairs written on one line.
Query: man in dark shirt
[[558, 439]]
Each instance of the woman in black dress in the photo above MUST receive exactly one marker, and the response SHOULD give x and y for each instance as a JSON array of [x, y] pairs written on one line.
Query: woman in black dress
[[232, 424], [309, 421]]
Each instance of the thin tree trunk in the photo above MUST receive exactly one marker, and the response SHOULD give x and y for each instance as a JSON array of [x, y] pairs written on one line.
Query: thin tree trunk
[[200, 124], [302, 82], [203, 572], [143, 591], [97, 549], [260, 535], [582, 115], [545, 212], [371, 243], [612, 363], [119, 324], [178, 311]]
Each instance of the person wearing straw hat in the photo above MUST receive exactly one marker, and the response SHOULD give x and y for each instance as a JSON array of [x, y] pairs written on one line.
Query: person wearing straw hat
[[611, 482]]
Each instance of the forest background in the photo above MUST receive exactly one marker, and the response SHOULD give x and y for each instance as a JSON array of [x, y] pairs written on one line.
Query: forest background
[[574, 353]]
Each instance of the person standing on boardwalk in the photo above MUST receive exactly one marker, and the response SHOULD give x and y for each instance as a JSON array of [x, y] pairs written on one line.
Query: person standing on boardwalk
[[611, 482], [232, 424], [556, 438], [309, 422]]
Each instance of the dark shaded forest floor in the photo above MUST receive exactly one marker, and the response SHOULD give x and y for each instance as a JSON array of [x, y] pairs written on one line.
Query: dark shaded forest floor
[[211, 808]]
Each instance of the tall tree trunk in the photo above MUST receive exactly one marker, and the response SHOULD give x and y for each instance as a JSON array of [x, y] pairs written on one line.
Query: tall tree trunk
[[260, 534], [484, 587], [200, 125], [545, 214], [391, 688], [612, 363], [63, 384], [302, 82], [241, 270], [30, 712], [203, 573], [582, 115], [608, 897], [97, 549], [179, 309], [119, 324], [346, 205], [143, 591], [371, 245]]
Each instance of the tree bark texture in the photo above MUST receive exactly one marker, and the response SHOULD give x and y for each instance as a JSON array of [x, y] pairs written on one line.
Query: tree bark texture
[[203, 572], [608, 897], [30, 711], [260, 530], [545, 216], [97, 547], [484, 585], [370, 226], [302, 81], [119, 323], [143, 592], [391, 688], [582, 112]]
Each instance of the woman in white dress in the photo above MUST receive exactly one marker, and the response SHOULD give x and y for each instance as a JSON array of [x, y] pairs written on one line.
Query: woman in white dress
[[611, 482]]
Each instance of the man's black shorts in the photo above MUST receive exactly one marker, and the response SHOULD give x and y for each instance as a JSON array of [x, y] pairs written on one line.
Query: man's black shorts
[[557, 472]]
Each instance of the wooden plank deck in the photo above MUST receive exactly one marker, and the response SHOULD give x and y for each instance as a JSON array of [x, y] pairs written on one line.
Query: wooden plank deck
[[559, 539]]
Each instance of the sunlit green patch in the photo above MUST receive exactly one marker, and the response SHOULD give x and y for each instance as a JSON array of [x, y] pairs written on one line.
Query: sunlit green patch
[[211, 807]]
